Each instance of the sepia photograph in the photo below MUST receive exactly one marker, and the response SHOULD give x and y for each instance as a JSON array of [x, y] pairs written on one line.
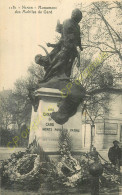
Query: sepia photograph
[[60, 97]]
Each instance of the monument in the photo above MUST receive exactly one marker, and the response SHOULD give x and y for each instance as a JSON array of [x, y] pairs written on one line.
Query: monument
[[52, 112]]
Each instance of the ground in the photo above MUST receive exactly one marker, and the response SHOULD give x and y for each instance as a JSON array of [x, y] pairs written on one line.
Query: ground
[[72, 192]]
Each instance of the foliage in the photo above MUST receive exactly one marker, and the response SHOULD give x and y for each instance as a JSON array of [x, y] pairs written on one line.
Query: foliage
[[6, 102], [6, 135], [22, 106], [15, 106], [35, 75], [64, 142]]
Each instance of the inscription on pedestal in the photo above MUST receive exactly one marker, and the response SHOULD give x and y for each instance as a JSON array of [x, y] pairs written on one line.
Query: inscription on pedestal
[[47, 130]]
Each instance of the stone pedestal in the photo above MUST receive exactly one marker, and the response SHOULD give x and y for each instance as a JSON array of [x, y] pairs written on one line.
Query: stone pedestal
[[45, 130]]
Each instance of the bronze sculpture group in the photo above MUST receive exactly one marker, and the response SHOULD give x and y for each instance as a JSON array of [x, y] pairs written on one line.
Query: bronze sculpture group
[[61, 58], [58, 65]]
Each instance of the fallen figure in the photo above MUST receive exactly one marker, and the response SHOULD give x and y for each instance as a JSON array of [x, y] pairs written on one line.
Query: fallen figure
[[68, 106], [69, 102]]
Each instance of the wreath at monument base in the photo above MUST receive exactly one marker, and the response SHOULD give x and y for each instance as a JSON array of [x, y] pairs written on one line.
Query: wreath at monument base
[[27, 167], [71, 171], [21, 170]]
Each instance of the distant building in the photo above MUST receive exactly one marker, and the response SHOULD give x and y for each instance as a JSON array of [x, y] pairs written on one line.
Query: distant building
[[107, 129]]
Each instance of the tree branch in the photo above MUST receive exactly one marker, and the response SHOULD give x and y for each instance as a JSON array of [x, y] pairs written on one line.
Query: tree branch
[[100, 43], [119, 38], [106, 90], [103, 18], [89, 115], [100, 49]]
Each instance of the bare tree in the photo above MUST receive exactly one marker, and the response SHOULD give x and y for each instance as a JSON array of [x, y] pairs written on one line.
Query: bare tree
[[6, 103], [102, 32], [96, 107]]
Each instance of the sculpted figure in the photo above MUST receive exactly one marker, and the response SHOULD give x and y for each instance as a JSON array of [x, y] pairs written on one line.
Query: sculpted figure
[[61, 58]]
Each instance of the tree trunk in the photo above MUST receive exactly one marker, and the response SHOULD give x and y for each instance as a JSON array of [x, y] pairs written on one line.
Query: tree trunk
[[92, 135]]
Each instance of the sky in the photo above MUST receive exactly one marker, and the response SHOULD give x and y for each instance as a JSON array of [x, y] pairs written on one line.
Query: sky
[[22, 33]]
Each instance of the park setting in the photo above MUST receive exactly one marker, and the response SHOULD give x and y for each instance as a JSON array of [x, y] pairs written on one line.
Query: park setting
[[61, 120]]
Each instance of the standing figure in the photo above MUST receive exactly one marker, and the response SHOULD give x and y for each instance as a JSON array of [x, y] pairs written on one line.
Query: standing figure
[[95, 154], [114, 154], [65, 51]]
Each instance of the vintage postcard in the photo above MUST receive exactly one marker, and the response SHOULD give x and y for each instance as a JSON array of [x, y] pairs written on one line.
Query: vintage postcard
[[60, 97]]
